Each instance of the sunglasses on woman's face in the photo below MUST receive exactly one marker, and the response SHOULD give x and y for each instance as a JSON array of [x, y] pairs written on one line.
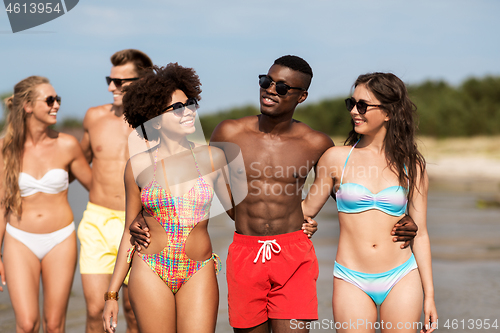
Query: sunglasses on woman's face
[[51, 99], [118, 82], [179, 108], [281, 87], [350, 103]]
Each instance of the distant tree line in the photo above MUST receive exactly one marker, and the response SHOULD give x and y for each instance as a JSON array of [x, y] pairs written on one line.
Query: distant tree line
[[473, 108]]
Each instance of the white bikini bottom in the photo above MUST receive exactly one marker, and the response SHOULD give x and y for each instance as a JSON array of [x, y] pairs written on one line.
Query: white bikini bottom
[[41, 244]]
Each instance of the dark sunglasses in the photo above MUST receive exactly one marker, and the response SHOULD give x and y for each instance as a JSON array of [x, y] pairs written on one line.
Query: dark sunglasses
[[51, 99], [281, 87], [178, 108], [118, 82], [360, 105]]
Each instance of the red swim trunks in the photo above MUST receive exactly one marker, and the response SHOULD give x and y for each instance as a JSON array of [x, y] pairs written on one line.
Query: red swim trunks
[[271, 277]]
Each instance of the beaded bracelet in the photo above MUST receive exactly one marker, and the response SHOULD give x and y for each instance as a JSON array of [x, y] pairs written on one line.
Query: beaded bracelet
[[111, 295]]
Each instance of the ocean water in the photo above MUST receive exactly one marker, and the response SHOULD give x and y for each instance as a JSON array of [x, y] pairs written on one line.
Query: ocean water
[[465, 240]]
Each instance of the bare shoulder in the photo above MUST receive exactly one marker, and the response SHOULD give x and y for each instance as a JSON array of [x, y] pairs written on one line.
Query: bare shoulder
[[142, 160], [98, 111], [336, 155], [316, 139], [219, 157], [95, 113], [210, 155], [230, 127], [67, 140], [67, 143]]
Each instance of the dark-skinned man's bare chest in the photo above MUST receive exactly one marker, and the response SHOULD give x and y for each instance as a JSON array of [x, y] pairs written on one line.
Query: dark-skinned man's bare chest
[[277, 166]]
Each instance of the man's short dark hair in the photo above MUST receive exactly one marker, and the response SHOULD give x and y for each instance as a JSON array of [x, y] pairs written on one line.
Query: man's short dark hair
[[297, 64], [140, 60]]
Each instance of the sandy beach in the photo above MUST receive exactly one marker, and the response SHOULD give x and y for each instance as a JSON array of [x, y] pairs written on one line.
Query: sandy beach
[[464, 237]]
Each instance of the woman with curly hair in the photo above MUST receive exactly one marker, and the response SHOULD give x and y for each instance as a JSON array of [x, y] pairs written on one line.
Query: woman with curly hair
[[378, 176], [36, 221], [172, 284]]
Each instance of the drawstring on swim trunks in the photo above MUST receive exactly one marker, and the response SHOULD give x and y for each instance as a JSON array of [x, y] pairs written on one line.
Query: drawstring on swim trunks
[[266, 248]]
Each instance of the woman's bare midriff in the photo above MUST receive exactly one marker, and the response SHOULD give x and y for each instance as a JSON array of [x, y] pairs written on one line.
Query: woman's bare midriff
[[365, 243], [43, 213]]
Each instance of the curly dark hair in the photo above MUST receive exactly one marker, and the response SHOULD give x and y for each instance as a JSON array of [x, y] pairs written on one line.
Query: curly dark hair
[[400, 146], [145, 99]]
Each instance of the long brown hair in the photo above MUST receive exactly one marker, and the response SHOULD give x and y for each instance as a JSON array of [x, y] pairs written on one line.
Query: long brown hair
[[13, 142], [399, 142]]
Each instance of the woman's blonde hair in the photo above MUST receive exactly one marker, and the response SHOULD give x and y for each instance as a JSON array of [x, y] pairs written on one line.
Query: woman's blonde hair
[[13, 142]]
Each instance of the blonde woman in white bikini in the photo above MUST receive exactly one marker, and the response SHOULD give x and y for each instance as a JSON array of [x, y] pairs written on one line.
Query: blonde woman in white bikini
[[36, 221]]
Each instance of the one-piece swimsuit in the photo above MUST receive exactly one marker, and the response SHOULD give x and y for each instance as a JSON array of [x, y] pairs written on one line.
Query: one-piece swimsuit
[[178, 215]]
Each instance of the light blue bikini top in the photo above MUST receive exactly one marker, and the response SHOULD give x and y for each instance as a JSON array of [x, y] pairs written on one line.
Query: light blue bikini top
[[355, 198]]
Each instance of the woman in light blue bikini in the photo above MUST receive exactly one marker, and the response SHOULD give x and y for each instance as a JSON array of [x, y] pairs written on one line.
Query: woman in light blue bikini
[[36, 221], [378, 176]]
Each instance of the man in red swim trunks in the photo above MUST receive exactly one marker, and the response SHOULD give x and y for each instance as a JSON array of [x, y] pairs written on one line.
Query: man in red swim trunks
[[271, 266]]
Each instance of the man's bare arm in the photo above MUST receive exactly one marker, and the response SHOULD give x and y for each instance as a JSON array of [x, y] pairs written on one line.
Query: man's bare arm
[[323, 142], [221, 134], [405, 231], [309, 227], [85, 142], [139, 232]]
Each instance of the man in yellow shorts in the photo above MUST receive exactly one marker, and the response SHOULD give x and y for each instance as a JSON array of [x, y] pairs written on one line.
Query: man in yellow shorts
[[100, 233], [105, 145]]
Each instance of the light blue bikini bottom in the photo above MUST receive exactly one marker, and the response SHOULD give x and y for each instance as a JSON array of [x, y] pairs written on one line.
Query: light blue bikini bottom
[[377, 286]]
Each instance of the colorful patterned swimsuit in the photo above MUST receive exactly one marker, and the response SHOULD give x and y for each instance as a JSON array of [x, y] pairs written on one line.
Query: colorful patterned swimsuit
[[178, 216]]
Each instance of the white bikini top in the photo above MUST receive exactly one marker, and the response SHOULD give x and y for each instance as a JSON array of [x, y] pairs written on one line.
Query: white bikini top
[[53, 182]]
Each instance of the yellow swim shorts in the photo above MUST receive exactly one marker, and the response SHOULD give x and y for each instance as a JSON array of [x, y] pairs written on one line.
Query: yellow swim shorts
[[100, 233]]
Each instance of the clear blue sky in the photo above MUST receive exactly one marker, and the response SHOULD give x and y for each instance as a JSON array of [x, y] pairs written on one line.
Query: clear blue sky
[[230, 42]]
